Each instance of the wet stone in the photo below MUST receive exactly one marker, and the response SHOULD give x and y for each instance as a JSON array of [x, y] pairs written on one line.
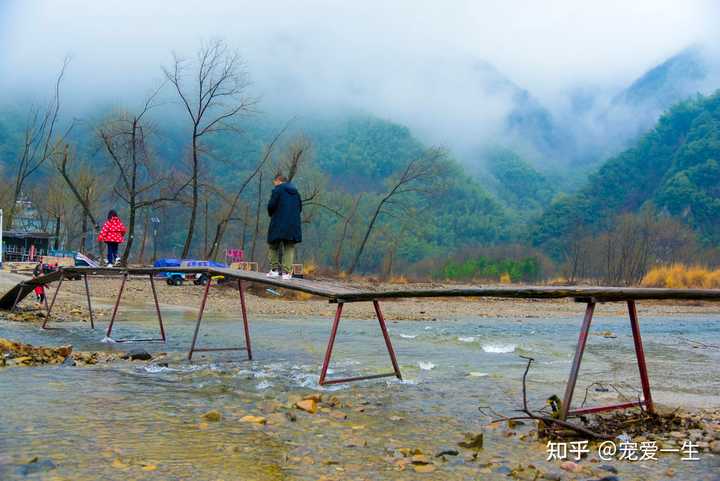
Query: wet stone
[[609, 468], [137, 355], [503, 470], [36, 466], [212, 416], [307, 405], [447, 452], [472, 441]]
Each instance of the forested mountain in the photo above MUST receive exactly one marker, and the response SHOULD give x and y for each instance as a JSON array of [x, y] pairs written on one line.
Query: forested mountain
[[674, 80], [674, 168], [378, 197]]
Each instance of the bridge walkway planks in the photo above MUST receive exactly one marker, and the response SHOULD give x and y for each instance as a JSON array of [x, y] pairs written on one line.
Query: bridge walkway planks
[[344, 293]]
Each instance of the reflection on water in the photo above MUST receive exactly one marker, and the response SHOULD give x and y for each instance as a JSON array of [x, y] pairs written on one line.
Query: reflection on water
[[139, 420]]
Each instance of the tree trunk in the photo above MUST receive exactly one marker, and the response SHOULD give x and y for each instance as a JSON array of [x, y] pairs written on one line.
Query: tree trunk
[[83, 238], [367, 236], [346, 224], [56, 244], [205, 250], [141, 256], [257, 218], [131, 233], [194, 202]]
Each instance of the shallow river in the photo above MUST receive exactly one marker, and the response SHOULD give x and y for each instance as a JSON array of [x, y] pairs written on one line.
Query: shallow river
[[143, 420]]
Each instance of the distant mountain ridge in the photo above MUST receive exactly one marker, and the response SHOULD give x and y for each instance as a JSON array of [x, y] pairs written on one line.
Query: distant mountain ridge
[[675, 168]]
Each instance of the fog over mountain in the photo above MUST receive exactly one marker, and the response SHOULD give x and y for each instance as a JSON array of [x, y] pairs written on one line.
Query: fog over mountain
[[559, 81]]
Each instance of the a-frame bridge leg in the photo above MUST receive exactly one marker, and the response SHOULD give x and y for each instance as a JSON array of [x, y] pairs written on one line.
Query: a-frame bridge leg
[[157, 310], [52, 303], [565, 409], [87, 294], [331, 343], [246, 328]]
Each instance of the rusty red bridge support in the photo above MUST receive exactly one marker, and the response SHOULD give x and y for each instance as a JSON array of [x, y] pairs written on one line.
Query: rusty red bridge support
[[331, 343], [246, 326], [117, 306], [57, 289], [565, 409]]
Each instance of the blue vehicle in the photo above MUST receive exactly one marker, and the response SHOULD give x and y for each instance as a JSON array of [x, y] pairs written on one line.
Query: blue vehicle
[[178, 278]]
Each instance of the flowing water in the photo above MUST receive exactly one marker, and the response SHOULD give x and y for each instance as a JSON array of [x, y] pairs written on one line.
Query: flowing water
[[138, 420]]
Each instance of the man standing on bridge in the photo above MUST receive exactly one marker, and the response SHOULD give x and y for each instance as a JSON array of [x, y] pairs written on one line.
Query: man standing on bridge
[[285, 231]]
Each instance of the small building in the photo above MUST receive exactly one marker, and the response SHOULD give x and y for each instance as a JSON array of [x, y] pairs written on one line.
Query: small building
[[28, 237], [21, 246]]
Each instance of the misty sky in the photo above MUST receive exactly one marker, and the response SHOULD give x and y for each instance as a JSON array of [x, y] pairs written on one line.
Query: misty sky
[[412, 61]]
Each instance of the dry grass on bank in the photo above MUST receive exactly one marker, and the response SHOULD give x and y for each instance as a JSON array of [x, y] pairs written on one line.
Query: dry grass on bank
[[682, 276]]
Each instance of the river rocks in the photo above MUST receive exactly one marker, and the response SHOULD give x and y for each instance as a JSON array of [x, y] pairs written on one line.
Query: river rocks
[[472, 441], [307, 405], [35, 466], [253, 419], [715, 447], [137, 355], [570, 467], [212, 416], [119, 464], [447, 452], [16, 353], [420, 459]]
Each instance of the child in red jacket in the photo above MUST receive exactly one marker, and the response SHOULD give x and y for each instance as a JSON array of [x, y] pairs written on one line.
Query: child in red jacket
[[112, 234], [40, 293]]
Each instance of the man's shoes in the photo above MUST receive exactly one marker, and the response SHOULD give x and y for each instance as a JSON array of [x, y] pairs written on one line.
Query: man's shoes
[[109, 264], [287, 276], [273, 273]]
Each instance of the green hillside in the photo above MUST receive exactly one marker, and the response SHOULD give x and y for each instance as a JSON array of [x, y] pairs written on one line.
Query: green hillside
[[674, 167]]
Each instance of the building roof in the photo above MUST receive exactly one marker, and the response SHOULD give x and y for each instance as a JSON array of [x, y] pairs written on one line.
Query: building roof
[[26, 235]]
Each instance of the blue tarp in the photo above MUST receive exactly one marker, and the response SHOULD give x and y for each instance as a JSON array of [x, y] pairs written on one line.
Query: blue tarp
[[167, 263]]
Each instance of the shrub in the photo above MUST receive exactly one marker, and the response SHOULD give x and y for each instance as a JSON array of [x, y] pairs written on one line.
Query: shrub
[[679, 276]]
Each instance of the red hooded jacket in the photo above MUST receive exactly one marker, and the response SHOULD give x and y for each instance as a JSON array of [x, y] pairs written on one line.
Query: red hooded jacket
[[112, 231]]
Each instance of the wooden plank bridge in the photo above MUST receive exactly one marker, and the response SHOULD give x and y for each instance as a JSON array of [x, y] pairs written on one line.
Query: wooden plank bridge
[[341, 294]]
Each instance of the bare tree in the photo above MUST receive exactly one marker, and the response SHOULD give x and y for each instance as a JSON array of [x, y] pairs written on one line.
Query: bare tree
[[298, 152], [84, 186], [348, 219], [138, 185], [233, 203], [258, 209], [420, 176], [39, 142], [212, 99], [54, 201]]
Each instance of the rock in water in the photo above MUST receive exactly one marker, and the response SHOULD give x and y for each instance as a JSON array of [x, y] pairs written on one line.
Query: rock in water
[[35, 466], [253, 419], [472, 441], [137, 355], [447, 452], [307, 405], [28, 355], [212, 416]]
